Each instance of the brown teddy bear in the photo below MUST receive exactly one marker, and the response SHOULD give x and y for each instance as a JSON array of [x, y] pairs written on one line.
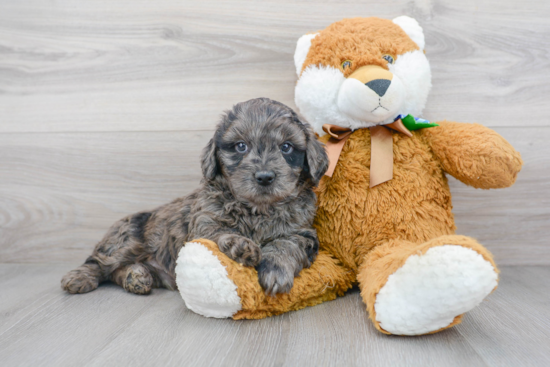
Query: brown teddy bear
[[384, 216]]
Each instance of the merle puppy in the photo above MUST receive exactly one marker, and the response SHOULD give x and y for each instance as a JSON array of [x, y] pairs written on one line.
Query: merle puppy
[[255, 201]]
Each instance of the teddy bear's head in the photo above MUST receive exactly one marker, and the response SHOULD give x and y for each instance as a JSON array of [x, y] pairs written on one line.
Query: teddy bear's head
[[362, 72]]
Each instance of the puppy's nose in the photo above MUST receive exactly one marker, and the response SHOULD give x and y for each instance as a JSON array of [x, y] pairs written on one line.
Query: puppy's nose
[[265, 178], [379, 86]]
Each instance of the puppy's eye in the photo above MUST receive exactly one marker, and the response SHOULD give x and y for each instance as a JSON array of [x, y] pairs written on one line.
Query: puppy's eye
[[241, 147], [346, 64], [287, 148], [388, 58]]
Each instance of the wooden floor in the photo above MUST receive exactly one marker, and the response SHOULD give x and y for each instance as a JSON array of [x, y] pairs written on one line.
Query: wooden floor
[[106, 104], [42, 326]]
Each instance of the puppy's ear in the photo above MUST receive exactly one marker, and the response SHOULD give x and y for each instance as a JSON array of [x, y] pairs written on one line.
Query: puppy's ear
[[209, 161], [316, 157]]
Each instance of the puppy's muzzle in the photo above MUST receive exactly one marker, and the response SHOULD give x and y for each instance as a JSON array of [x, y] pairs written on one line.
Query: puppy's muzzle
[[265, 178]]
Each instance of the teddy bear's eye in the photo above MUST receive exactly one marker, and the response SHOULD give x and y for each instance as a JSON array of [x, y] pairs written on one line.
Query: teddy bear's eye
[[388, 58], [346, 64]]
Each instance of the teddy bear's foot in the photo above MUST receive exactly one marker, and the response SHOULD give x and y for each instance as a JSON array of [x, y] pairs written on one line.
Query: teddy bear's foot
[[433, 287], [204, 284], [431, 290], [213, 285]]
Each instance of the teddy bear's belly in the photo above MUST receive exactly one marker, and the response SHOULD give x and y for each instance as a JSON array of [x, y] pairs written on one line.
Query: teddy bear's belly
[[353, 218]]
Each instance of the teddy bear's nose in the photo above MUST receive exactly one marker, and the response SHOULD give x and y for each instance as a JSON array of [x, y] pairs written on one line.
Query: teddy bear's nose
[[380, 86]]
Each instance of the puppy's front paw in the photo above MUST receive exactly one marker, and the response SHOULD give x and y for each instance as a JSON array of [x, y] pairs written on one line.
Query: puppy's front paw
[[275, 275], [240, 249]]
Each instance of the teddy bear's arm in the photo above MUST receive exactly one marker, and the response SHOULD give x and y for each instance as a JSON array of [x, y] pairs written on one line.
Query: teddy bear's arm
[[474, 154]]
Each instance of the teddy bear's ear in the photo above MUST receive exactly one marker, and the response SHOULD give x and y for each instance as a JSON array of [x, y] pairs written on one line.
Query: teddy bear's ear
[[412, 28], [302, 48]]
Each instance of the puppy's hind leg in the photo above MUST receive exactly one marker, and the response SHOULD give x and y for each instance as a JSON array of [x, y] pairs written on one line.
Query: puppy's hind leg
[[134, 278], [121, 247], [83, 279]]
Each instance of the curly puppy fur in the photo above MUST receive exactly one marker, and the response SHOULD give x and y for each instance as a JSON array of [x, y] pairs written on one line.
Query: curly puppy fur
[[256, 201]]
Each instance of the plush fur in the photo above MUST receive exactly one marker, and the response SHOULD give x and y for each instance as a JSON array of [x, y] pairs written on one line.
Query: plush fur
[[256, 202], [327, 93], [396, 240], [430, 288], [199, 290], [323, 281]]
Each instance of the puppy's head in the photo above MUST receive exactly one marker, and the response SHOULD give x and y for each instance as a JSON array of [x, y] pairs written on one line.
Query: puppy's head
[[264, 152]]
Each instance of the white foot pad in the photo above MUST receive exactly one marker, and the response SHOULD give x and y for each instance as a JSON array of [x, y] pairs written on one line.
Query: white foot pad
[[430, 290], [204, 284]]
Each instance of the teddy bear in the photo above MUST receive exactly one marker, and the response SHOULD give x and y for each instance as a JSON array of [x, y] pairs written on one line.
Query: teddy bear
[[384, 216]]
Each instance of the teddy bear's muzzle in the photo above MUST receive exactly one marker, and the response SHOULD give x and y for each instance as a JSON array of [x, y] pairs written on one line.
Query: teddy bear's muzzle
[[379, 86], [371, 94], [366, 74], [374, 77]]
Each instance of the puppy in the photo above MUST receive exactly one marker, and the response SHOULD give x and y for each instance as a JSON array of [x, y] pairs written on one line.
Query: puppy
[[256, 201]]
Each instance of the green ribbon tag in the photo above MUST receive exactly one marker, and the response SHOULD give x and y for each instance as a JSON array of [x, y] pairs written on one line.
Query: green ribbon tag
[[415, 123]]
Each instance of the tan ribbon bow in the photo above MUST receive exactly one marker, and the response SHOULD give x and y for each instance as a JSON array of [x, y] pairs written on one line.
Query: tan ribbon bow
[[381, 151]]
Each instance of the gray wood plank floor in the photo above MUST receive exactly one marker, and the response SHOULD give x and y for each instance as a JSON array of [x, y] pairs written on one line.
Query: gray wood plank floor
[[42, 326]]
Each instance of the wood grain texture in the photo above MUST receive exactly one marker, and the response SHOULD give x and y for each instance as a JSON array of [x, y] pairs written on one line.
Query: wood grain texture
[[513, 327], [174, 65], [60, 192], [105, 106], [110, 327], [514, 223]]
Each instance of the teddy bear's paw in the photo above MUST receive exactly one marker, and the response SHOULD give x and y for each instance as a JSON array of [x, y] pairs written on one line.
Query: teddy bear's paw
[[430, 290], [204, 284]]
